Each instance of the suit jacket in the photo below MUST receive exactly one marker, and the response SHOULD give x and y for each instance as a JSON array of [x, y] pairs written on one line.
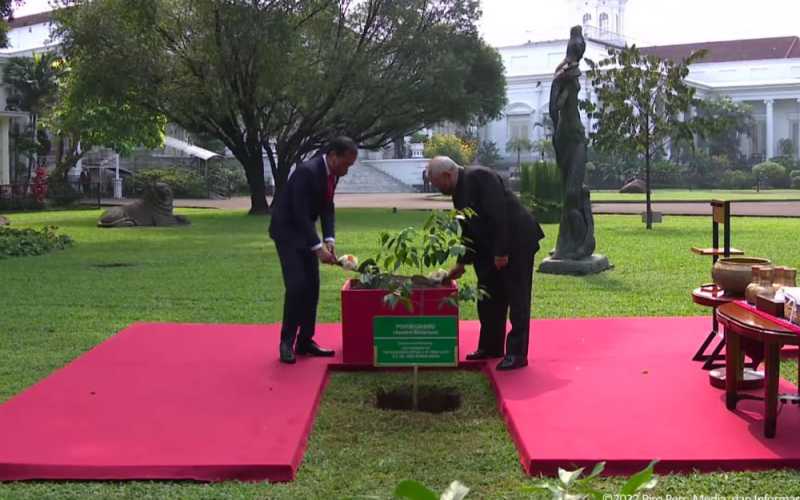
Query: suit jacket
[[301, 202], [501, 225]]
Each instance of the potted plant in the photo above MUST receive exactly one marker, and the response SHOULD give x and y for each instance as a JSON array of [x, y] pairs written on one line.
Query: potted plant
[[380, 289]]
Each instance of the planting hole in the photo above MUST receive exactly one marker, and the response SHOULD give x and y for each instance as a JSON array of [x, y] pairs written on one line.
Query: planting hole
[[432, 399]]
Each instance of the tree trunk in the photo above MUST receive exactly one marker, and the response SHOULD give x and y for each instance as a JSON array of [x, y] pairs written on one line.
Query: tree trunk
[[649, 210], [254, 171]]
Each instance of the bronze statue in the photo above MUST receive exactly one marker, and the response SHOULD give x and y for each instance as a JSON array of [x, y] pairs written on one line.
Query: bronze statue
[[154, 209], [576, 230]]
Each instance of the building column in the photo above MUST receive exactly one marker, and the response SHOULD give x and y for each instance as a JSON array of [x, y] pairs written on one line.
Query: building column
[[5, 151], [796, 146], [770, 150]]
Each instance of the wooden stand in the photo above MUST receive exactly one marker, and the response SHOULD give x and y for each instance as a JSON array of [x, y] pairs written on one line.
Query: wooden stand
[[711, 295]]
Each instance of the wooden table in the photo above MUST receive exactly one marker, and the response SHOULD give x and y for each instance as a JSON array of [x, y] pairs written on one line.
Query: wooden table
[[740, 324]]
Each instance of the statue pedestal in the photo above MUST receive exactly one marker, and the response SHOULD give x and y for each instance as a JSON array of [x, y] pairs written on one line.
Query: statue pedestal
[[591, 265]]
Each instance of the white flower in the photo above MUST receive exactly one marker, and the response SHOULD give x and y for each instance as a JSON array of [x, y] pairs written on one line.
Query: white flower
[[349, 262], [438, 276]]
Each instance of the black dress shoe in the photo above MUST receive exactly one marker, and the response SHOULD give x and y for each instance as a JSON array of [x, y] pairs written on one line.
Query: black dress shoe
[[512, 362], [311, 348], [287, 356], [481, 354]]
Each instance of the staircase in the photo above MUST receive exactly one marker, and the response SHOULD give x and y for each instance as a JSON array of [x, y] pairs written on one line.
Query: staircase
[[362, 178]]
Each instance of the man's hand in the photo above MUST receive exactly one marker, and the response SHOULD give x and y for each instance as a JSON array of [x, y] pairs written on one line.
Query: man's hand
[[457, 272], [325, 256], [331, 246], [501, 262]]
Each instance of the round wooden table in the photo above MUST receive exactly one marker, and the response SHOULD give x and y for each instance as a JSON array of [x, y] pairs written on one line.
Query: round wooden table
[[741, 324]]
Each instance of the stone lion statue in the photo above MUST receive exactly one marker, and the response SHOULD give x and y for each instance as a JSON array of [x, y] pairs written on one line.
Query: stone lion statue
[[154, 209]]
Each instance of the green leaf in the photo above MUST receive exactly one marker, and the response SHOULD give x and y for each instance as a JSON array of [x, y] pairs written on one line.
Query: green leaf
[[640, 481], [414, 490], [598, 469]]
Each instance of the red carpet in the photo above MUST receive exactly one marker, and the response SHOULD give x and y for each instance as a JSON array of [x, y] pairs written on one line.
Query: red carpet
[[624, 391], [165, 401], [211, 402]]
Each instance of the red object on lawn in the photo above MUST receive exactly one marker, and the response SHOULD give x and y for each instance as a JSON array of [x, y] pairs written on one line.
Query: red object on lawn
[[360, 307]]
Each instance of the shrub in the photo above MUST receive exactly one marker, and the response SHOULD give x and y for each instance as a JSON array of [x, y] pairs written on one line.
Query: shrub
[[460, 151], [795, 179], [227, 180], [771, 174], [541, 190], [788, 162], [737, 179], [525, 184], [664, 173], [60, 193], [27, 242], [19, 203], [546, 181], [184, 183]]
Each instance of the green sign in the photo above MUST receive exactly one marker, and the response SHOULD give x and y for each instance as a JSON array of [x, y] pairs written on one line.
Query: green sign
[[416, 340]]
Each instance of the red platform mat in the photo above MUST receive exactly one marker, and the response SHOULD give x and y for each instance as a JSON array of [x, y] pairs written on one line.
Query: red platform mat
[[167, 401], [624, 391]]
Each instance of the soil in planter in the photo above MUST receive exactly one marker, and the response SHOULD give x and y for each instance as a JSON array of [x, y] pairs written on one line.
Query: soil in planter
[[432, 399], [385, 281]]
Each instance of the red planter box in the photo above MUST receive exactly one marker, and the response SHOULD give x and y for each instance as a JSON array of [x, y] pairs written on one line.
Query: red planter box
[[359, 307]]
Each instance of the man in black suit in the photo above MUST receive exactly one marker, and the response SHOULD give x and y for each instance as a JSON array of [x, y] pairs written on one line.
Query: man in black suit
[[306, 197], [501, 239]]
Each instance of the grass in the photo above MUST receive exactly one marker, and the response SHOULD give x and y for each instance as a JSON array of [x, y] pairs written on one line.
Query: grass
[[663, 195], [224, 269]]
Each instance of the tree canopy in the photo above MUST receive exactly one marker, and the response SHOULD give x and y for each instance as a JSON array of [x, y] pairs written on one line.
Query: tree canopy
[[280, 77]]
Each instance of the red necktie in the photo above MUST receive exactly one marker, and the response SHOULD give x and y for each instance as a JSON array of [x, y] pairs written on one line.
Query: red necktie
[[331, 187]]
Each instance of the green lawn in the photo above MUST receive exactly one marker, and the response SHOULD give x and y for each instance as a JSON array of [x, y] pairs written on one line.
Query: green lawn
[[700, 195], [223, 269]]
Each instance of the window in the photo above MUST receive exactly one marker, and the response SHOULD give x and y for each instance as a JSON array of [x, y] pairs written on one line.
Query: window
[[603, 21], [587, 18], [519, 126]]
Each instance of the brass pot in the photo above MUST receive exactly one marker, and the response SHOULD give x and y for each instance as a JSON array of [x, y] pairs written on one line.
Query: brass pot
[[733, 274]]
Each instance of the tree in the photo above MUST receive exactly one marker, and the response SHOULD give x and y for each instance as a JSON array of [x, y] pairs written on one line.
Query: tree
[[518, 145], [281, 77], [640, 99], [81, 120], [488, 154], [721, 122], [459, 150]]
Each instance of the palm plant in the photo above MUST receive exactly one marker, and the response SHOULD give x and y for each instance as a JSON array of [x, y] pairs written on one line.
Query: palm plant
[[518, 145]]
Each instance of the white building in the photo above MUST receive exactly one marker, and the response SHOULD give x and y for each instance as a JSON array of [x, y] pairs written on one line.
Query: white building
[[764, 73]]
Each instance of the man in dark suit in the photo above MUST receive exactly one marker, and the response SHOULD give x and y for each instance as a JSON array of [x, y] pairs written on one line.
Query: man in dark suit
[[501, 239], [306, 197]]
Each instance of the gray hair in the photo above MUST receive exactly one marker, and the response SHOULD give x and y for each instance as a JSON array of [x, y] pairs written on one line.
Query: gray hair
[[440, 164]]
